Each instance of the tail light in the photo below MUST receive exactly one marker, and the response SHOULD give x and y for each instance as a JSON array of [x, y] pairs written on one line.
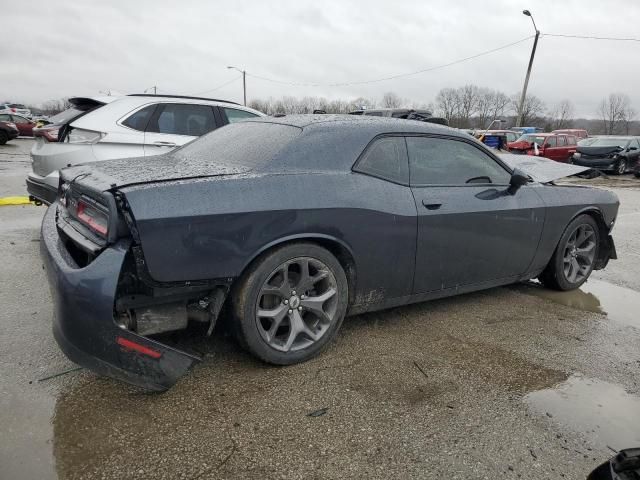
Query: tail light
[[92, 217], [13, 110], [81, 136], [50, 133]]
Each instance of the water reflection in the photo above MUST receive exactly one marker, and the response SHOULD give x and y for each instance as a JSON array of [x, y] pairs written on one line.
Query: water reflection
[[620, 304], [602, 411]]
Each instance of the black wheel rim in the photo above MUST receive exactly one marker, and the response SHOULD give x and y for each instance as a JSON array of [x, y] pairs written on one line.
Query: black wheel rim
[[297, 304], [579, 253]]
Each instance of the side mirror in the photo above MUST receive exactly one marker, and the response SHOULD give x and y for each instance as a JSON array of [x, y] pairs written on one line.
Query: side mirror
[[518, 179], [633, 148]]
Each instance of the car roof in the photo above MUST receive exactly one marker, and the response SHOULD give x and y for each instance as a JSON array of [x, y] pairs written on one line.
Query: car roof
[[373, 125]]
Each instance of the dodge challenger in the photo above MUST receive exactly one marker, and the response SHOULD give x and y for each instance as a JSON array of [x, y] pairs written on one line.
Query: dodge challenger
[[291, 224]]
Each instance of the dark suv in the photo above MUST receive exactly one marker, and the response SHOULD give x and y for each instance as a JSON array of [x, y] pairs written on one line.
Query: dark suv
[[8, 131]]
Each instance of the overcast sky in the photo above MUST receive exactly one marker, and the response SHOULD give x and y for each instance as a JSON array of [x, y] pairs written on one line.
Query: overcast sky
[[76, 48]]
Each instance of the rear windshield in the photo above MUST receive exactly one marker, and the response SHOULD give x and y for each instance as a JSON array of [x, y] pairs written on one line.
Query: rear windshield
[[243, 144]]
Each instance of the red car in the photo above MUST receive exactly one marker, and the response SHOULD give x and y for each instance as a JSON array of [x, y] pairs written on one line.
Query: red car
[[576, 132], [25, 126], [549, 145]]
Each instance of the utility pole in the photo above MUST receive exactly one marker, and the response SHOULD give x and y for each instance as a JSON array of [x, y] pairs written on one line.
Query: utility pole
[[244, 83], [526, 79]]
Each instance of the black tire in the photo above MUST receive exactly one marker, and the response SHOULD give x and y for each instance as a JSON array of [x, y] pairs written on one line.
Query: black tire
[[554, 276], [246, 295], [4, 138], [621, 167], [637, 173]]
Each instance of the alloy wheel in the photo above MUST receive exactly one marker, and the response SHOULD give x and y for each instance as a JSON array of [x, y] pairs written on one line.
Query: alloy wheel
[[297, 304], [622, 167], [579, 253]]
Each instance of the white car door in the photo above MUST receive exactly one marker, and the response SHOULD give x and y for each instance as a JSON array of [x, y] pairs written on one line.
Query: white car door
[[175, 124]]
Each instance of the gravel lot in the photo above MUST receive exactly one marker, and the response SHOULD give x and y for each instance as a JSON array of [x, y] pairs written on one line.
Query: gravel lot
[[513, 382]]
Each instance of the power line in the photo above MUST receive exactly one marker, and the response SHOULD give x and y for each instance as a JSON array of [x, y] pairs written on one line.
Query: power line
[[218, 87], [589, 37], [424, 70]]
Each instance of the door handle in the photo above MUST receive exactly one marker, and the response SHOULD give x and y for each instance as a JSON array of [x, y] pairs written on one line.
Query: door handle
[[164, 144], [431, 206]]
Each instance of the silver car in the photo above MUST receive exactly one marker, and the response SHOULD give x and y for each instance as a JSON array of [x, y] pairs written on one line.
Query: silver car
[[129, 126]]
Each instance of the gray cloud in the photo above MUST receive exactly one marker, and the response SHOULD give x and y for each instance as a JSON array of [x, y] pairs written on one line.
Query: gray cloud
[[78, 48]]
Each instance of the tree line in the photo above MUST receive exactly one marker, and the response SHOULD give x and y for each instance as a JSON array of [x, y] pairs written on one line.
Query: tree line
[[468, 106]]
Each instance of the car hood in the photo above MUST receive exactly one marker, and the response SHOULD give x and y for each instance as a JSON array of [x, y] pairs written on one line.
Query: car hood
[[599, 151], [541, 169], [521, 145], [109, 174]]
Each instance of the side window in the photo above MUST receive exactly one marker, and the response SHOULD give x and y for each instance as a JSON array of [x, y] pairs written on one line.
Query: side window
[[235, 115], [140, 119], [441, 161], [386, 158], [571, 140], [183, 119], [5, 118], [18, 119], [551, 142], [562, 141]]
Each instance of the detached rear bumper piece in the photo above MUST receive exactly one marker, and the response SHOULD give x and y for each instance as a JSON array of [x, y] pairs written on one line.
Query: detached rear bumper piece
[[41, 192], [84, 325]]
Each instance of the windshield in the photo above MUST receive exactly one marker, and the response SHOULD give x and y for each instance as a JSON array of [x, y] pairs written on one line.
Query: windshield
[[532, 139], [609, 142]]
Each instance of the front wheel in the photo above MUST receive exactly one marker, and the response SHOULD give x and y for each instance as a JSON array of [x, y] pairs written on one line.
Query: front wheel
[[621, 168], [575, 256], [290, 303], [4, 138]]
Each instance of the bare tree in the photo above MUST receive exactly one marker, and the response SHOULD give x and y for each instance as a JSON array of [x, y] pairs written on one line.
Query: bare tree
[[532, 109], [447, 104], [468, 103], [629, 117], [613, 111], [391, 100], [51, 107], [562, 115]]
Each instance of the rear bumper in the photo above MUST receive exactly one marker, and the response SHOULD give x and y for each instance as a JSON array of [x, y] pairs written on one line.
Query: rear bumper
[[83, 324]]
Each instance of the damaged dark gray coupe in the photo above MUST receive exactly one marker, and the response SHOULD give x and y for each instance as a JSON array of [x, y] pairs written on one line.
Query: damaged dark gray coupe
[[289, 224]]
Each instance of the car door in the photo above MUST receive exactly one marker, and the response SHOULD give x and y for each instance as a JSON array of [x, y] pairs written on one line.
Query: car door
[[175, 124], [25, 126], [550, 148], [470, 230]]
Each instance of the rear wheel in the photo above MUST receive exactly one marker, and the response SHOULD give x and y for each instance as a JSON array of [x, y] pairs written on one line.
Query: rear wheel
[[290, 304], [4, 138], [575, 255], [621, 168]]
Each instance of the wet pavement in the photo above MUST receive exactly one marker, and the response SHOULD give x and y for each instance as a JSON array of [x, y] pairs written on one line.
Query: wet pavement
[[514, 382]]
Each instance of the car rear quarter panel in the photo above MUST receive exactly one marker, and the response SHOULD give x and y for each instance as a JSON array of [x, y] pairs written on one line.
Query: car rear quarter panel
[[214, 228], [563, 204]]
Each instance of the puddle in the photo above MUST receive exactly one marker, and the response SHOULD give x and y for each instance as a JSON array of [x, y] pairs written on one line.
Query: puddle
[[600, 410], [620, 304]]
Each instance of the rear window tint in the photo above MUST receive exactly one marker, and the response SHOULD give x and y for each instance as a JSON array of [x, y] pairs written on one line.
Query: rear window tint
[[242, 144]]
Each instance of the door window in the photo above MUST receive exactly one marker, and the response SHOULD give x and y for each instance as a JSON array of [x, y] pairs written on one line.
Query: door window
[[571, 140], [140, 119], [183, 119], [551, 142], [5, 118], [235, 115], [441, 161], [386, 158], [18, 119], [562, 141]]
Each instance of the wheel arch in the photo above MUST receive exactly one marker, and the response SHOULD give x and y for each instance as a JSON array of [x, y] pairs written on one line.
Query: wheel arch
[[338, 248]]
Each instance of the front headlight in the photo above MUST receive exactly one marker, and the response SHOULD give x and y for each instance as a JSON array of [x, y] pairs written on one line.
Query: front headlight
[[577, 155], [78, 135]]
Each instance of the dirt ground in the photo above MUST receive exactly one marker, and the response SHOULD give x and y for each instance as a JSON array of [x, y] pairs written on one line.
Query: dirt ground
[[513, 382]]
